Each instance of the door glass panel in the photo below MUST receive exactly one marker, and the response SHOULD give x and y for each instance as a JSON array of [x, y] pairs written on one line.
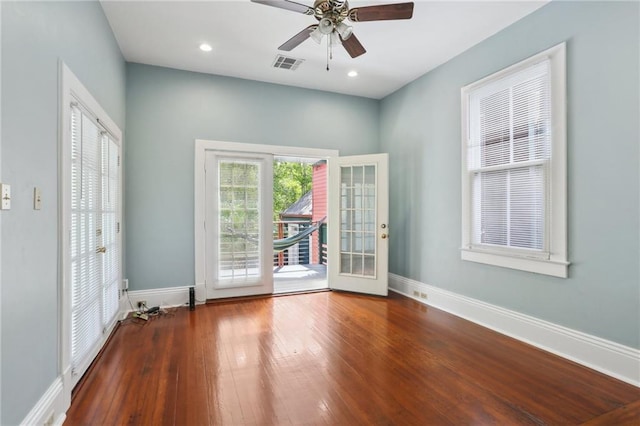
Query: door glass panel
[[239, 223], [369, 220], [356, 261], [345, 176], [370, 176], [369, 243], [345, 242], [369, 265], [357, 242], [358, 220], [345, 263]]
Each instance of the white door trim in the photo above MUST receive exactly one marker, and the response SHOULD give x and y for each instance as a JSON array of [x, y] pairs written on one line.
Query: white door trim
[[201, 148]]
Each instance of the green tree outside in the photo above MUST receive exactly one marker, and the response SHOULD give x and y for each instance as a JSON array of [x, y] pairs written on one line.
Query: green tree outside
[[290, 182]]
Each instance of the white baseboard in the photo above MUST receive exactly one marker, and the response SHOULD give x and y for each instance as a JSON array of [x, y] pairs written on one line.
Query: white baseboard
[[613, 359], [50, 409], [163, 297]]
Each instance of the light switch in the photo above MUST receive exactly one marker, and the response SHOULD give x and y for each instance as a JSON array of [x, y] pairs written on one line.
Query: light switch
[[5, 196], [37, 199]]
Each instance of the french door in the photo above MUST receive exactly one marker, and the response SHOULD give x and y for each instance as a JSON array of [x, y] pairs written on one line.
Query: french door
[[238, 224], [94, 237], [233, 217], [359, 224]]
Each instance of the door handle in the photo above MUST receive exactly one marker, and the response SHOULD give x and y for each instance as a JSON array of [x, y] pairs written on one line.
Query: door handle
[[384, 236]]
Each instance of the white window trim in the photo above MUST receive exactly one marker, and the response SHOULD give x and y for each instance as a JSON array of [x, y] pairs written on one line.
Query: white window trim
[[72, 89], [557, 263]]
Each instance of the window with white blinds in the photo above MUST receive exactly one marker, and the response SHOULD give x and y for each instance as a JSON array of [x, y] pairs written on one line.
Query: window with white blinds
[[512, 124], [94, 240], [508, 150]]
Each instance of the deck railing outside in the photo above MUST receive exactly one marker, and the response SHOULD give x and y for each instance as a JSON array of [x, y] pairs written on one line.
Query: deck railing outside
[[301, 253]]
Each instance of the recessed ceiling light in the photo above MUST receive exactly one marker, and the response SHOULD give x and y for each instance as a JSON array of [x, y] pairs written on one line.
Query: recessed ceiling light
[[205, 47], [353, 73]]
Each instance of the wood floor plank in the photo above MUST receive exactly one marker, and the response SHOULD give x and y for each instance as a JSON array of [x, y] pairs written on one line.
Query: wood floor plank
[[627, 415], [336, 358]]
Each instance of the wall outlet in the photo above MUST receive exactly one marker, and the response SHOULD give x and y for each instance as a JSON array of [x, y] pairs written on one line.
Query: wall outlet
[[37, 199], [5, 196], [142, 303], [125, 284], [416, 293], [49, 421], [423, 295]]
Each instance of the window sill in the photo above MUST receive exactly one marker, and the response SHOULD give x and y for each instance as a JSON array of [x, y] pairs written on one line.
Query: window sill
[[539, 266]]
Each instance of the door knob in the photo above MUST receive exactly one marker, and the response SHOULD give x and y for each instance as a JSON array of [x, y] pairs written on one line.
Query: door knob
[[383, 236]]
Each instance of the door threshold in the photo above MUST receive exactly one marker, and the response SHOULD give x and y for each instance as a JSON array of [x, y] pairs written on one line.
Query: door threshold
[[294, 293], [262, 296]]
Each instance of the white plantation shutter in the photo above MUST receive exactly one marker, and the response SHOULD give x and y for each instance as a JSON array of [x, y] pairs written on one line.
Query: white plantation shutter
[[508, 152], [94, 209]]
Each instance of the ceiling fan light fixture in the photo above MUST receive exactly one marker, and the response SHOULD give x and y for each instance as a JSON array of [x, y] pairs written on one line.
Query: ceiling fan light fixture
[[316, 35], [326, 26], [344, 30], [331, 14]]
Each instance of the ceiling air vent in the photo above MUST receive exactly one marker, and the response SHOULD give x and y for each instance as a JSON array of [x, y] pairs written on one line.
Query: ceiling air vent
[[286, 62]]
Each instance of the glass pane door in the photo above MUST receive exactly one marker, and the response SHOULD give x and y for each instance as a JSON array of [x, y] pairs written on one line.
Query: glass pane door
[[239, 247], [358, 231], [357, 220]]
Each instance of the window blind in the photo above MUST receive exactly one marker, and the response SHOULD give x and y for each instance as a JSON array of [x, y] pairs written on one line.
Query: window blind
[[239, 220], [509, 148], [110, 209], [94, 208]]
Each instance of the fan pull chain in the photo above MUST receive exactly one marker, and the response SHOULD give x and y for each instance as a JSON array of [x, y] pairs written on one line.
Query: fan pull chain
[[328, 49], [331, 46]]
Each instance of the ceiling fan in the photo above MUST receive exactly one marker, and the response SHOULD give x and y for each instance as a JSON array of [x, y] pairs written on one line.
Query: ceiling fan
[[331, 15]]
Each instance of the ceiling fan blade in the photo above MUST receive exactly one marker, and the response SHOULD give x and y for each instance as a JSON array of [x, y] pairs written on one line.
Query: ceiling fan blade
[[288, 5], [298, 38], [383, 12], [352, 46]]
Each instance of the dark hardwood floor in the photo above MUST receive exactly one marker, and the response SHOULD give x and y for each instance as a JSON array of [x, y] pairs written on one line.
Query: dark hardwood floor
[[339, 359]]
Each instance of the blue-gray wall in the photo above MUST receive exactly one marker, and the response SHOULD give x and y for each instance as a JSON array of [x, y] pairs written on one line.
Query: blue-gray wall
[[168, 109], [420, 128], [35, 35]]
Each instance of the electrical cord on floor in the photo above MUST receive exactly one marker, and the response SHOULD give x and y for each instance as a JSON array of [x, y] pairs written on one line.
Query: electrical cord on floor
[[143, 314], [129, 299], [135, 317]]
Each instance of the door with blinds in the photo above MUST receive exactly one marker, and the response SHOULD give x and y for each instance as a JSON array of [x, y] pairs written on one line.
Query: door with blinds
[[94, 236], [238, 214]]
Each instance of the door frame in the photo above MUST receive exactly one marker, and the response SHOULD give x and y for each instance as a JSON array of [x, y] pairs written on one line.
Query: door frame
[[201, 148], [70, 89]]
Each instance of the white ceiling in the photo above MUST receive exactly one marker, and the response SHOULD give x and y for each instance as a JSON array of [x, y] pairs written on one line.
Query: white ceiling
[[245, 37]]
